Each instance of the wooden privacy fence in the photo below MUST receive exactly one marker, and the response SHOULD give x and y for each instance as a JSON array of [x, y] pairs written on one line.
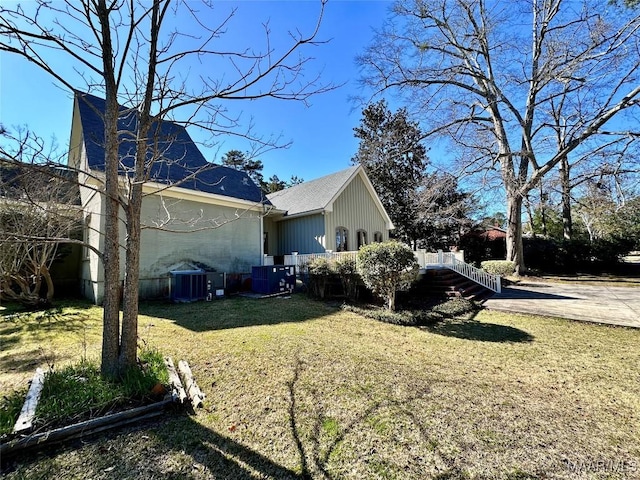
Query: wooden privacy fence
[[451, 260]]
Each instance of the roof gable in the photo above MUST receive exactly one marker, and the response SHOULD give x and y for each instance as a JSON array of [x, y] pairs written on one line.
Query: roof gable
[[318, 195], [180, 163], [311, 196]]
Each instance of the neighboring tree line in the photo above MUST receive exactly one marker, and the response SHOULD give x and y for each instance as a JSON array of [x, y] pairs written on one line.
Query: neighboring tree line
[[242, 161], [557, 96]]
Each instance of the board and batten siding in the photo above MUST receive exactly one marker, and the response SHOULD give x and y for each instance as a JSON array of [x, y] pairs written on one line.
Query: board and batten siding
[[355, 210], [302, 235]]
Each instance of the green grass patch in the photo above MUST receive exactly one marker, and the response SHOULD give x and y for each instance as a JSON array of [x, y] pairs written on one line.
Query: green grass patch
[[77, 392], [300, 389], [10, 406]]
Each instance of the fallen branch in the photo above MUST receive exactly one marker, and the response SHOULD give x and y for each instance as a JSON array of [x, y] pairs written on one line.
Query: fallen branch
[[28, 412], [193, 391], [177, 390]]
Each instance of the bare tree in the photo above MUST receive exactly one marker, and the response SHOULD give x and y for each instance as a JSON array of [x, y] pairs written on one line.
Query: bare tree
[[136, 56], [493, 76], [39, 211]]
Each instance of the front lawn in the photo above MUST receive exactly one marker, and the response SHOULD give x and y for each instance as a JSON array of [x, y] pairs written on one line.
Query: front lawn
[[296, 388]]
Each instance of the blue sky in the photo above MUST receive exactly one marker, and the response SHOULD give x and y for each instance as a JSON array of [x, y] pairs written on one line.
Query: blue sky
[[322, 134]]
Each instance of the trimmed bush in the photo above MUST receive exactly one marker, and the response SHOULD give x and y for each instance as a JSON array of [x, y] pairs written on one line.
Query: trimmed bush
[[498, 267], [319, 272], [348, 273], [386, 268]]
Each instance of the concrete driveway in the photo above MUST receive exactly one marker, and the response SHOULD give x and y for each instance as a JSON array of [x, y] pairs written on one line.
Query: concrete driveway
[[589, 303]]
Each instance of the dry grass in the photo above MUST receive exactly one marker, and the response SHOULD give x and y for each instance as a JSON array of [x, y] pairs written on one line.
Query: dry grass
[[299, 389]]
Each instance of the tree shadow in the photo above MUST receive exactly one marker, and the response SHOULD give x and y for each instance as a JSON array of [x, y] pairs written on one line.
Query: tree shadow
[[181, 447], [237, 312], [199, 452], [54, 318], [522, 293], [23, 329], [315, 456], [471, 329], [21, 362]]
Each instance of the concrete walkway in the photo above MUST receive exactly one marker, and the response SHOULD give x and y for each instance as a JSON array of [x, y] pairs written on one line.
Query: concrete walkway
[[589, 303]]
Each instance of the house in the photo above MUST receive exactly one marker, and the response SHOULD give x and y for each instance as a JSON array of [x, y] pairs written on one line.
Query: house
[[337, 212], [194, 214], [484, 242], [197, 215]]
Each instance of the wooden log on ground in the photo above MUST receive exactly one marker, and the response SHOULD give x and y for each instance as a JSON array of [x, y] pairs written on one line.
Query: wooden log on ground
[[193, 391], [28, 412], [88, 427], [177, 389]]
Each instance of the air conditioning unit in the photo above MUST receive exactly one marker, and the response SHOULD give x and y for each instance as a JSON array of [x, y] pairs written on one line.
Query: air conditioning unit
[[188, 285], [270, 279]]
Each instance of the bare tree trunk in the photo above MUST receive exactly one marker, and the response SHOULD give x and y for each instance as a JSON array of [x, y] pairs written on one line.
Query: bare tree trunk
[[567, 222], [514, 231], [527, 207], [129, 337], [111, 300], [392, 301], [46, 274]]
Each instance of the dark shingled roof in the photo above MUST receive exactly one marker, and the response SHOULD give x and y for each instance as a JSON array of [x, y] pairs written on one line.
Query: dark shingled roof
[[180, 155]]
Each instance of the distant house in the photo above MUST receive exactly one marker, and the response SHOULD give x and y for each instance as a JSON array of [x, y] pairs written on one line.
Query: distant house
[[338, 212], [197, 215], [484, 243]]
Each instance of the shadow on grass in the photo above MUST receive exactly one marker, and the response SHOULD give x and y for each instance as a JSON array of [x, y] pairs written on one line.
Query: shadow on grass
[[238, 312], [23, 330], [178, 448], [471, 329], [21, 362], [212, 453], [327, 435], [181, 447]]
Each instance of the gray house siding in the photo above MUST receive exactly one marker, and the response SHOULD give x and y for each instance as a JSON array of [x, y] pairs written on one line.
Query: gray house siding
[[303, 235]]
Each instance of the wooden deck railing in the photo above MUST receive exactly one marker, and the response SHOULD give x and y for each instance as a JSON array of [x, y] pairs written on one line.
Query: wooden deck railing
[[452, 260]]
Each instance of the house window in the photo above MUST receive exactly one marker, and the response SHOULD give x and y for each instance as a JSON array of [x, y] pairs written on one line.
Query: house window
[[377, 237], [362, 238], [342, 241], [265, 240]]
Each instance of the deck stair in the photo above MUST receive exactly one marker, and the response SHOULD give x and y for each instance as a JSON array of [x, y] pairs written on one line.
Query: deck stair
[[445, 282]]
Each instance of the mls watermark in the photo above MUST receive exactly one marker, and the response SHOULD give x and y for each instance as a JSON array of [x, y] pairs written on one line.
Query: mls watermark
[[602, 466]]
